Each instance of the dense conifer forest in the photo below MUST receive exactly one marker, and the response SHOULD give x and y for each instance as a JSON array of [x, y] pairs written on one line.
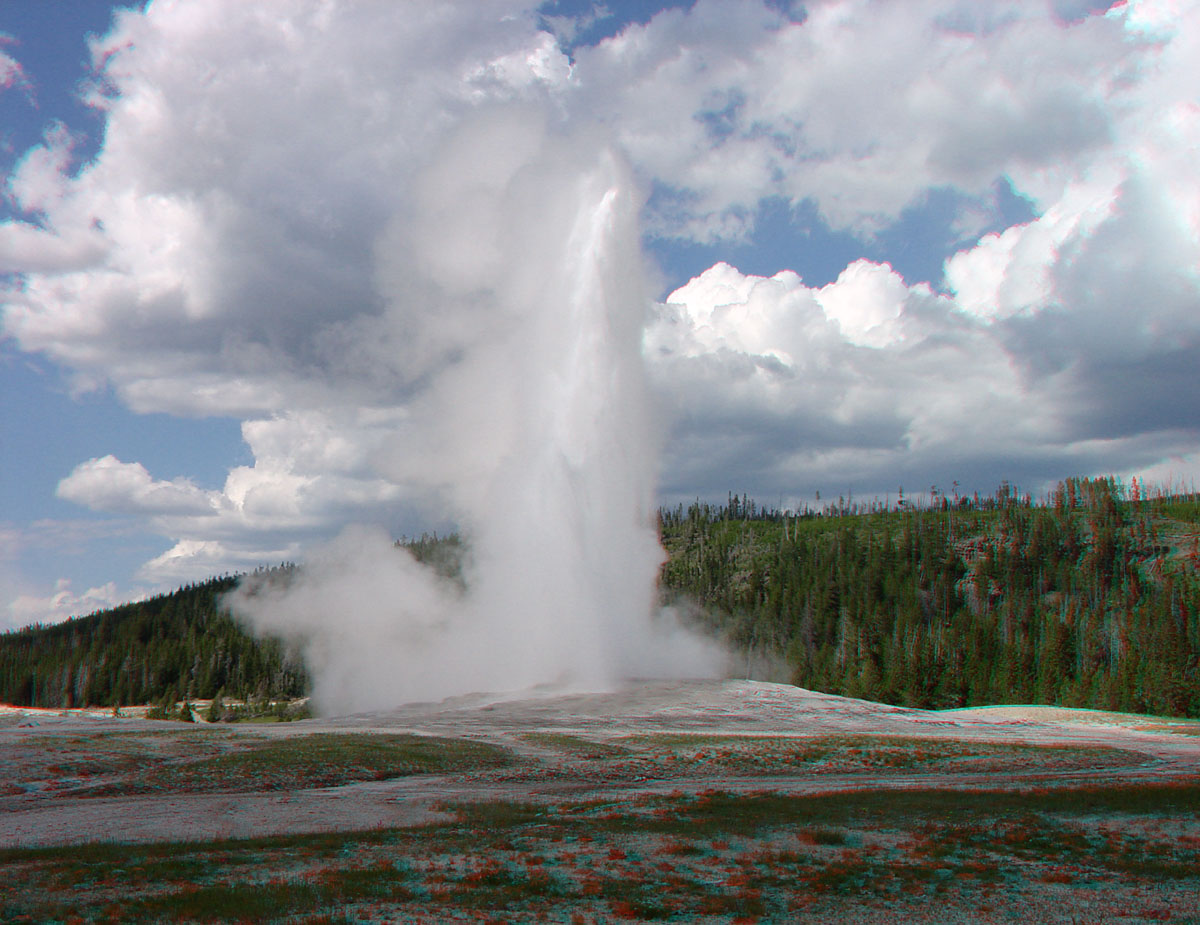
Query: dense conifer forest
[[174, 647], [1088, 598]]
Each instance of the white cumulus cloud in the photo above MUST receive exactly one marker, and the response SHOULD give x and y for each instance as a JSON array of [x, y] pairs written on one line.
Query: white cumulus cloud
[[107, 484], [861, 106]]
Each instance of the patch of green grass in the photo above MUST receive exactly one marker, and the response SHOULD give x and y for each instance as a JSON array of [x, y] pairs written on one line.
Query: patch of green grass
[[232, 902], [821, 836], [630, 898], [319, 760], [379, 880], [575, 746], [848, 874], [848, 753], [1134, 799], [1027, 836], [494, 815], [495, 885], [721, 814], [175, 868], [232, 851]]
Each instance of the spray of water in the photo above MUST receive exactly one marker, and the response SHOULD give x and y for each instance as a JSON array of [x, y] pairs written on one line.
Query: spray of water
[[517, 305]]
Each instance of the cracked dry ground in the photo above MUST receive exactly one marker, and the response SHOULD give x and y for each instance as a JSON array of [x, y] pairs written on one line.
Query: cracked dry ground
[[699, 802]]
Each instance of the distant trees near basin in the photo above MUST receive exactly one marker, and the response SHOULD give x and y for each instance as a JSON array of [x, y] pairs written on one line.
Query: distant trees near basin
[[1090, 598]]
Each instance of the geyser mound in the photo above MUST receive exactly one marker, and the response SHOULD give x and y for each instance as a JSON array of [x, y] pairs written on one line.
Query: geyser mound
[[516, 303]]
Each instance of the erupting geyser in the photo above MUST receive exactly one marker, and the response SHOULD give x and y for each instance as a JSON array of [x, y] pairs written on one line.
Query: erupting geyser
[[514, 285]]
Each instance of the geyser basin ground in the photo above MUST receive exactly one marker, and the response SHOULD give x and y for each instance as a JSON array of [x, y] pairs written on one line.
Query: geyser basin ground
[[703, 800]]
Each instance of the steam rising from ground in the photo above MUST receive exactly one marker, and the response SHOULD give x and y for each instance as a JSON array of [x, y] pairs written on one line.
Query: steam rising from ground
[[515, 313]]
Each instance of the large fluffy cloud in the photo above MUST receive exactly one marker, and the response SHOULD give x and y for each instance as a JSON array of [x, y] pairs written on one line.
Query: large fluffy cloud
[[1064, 344], [107, 484], [861, 106], [867, 384], [218, 254], [285, 188], [11, 72]]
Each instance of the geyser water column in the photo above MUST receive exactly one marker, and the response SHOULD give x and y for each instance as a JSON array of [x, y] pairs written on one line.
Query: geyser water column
[[547, 409], [566, 555], [516, 310]]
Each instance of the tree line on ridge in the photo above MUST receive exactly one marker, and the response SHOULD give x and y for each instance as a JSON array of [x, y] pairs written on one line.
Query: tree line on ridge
[[1089, 598]]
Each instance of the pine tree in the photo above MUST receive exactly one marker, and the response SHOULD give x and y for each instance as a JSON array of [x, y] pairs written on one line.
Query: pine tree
[[216, 709]]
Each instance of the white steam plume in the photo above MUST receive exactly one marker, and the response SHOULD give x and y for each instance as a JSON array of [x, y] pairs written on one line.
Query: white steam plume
[[516, 309]]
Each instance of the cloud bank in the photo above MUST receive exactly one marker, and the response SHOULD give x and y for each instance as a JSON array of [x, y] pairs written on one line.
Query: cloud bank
[[284, 192]]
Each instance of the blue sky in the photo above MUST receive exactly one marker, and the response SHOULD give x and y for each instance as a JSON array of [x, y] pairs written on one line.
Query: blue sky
[[985, 219], [46, 428]]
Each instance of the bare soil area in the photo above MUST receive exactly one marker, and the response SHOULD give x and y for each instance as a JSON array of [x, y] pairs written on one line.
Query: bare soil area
[[725, 801]]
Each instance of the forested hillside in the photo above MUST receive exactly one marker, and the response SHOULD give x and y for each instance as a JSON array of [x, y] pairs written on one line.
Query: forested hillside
[[1089, 599], [176, 646], [171, 648]]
